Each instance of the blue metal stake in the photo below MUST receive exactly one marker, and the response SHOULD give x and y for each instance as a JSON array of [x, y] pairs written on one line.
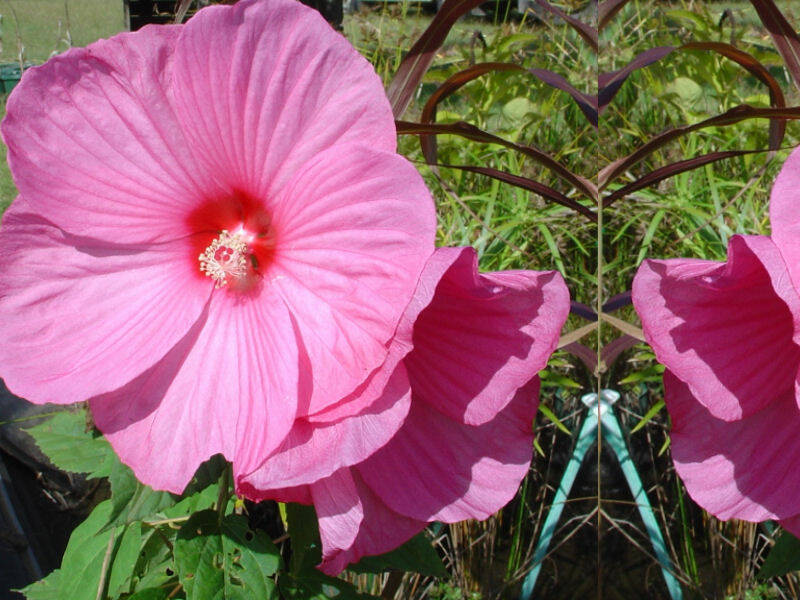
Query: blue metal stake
[[601, 413]]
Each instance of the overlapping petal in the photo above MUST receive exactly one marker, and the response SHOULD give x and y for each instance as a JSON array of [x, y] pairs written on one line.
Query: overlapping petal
[[222, 389], [259, 96], [439, 469], [314, 451], [438, 466], [353, 239], [82, 317], [483, 336], [746, 469], [784, 217], [729, 330], [366, 528]]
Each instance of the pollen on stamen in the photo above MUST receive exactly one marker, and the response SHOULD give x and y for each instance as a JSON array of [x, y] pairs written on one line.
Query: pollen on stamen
[[225, 258]]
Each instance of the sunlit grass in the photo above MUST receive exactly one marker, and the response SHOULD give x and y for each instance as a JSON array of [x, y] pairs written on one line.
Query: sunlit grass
[[36, 29]]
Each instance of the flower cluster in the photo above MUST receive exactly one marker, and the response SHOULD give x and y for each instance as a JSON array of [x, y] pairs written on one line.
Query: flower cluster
[[729, 335], [216, 244]]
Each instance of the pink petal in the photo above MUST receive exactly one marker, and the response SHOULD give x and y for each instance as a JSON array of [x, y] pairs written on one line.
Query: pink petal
[[353, 239], [300, 494], [438, 469], [313, 451], [744, 469], [223, 389], [726, 329], [339, 510], [399, 347], [81, 317], [93, 143], [792, 525], [354, 522], [483, 336], [263, 87], [784, 217]]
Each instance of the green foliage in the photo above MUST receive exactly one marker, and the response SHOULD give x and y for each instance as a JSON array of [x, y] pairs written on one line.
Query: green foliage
[[134, 501], [444, 590], [225, 559], [95, 562], [417, 555], [783, 558], [70, 445], [313, 585]]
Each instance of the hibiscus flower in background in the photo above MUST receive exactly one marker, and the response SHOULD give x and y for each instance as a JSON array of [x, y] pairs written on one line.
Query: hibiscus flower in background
[[216, 244], [729, 335]]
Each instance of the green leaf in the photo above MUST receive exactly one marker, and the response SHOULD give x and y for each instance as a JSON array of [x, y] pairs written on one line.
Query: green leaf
[[202, 500], [304, 531], [132, 500], [65, 441], [155, 567], [126, 553], [314, 585], [783, 558], [652, 373], [225, 560], [45, 589], [551, 379], [82, 565], [551, 416], [654, 410], [94, 558], [159, 593], [517, 109], [417, 555]]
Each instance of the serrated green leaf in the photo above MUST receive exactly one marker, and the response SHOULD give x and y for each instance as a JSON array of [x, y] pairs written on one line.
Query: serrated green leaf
[[318, 586], [94, 558], [203, 500], [783, 558], [133, 501], [155, 566], [161, 593], [82, 565], [417, 555], [65, 441], [48, 588], [227, 560]]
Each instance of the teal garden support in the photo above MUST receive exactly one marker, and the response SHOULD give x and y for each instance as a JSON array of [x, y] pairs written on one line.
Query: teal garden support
[[601, 413]]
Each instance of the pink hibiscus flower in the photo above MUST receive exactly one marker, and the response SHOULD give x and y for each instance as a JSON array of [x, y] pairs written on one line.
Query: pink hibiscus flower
[[468, 394], [217, 246], [214, 236], [729, 335]]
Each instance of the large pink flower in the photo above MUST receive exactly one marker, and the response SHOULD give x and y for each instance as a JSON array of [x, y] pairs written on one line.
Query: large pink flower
[[470, 393], [729, 335], [214, 236]]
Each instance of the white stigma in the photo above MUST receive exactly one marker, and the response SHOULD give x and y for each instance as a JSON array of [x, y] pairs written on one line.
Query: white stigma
[[225, 258]]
